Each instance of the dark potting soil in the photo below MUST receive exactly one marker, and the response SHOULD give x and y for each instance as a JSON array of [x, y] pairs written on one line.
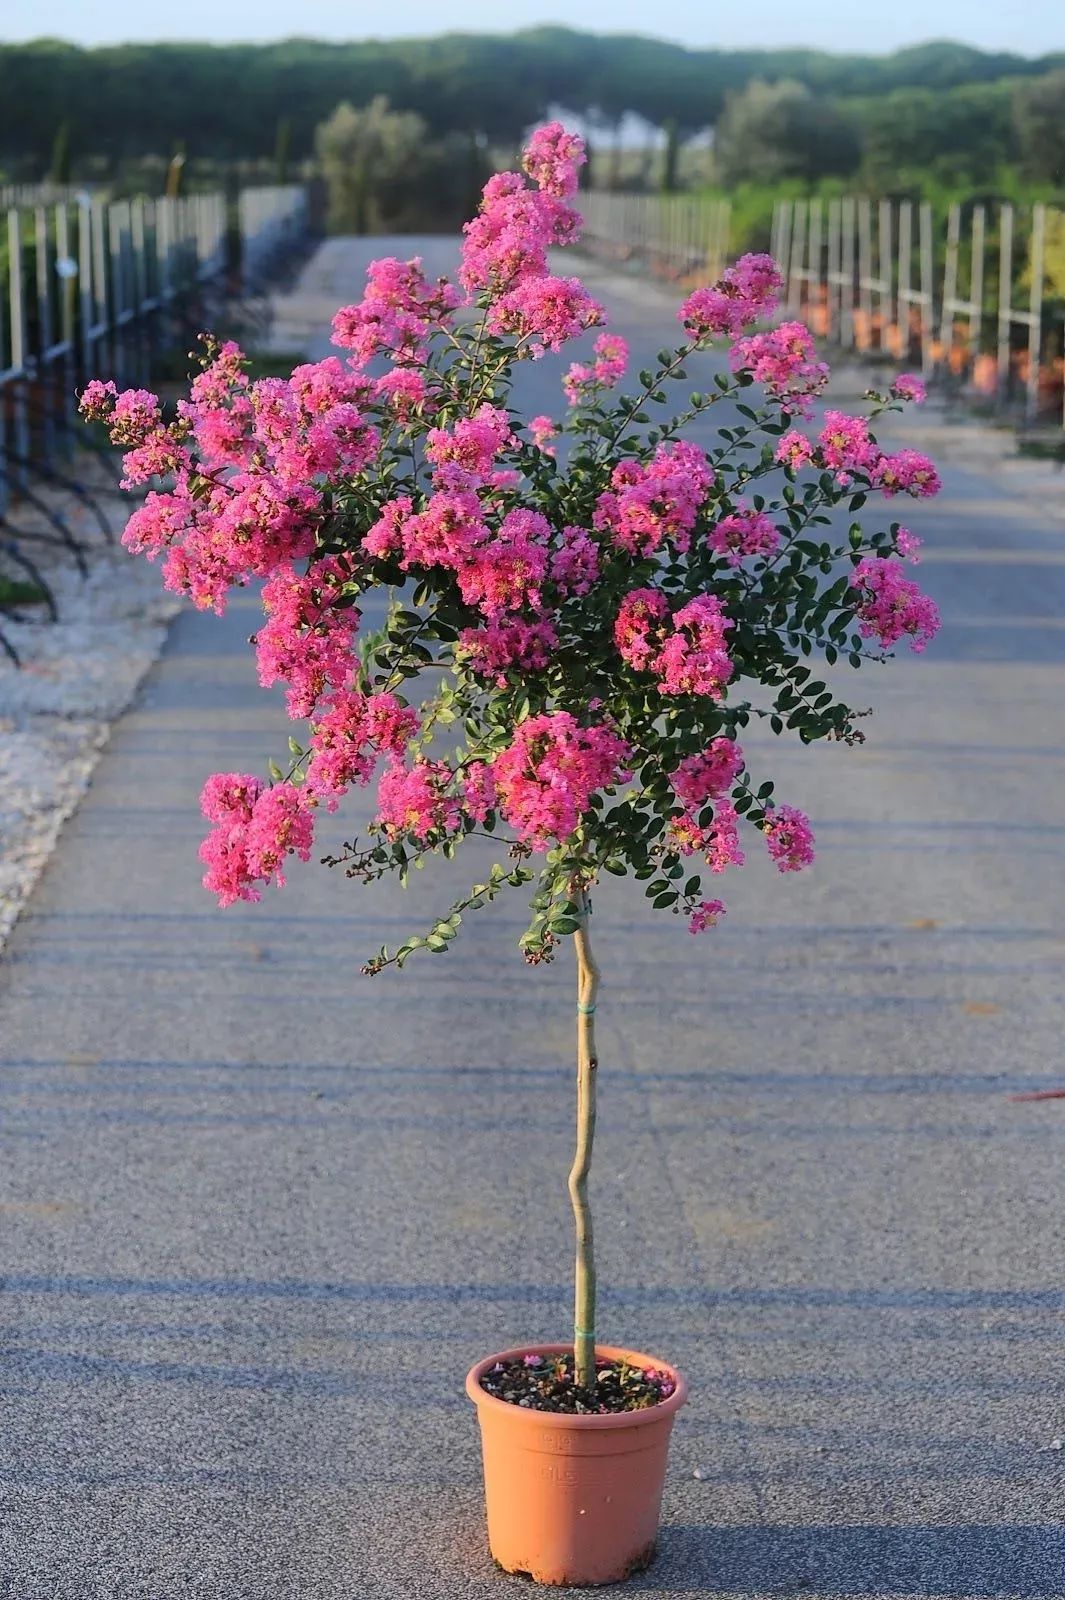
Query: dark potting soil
[[546, 1383]]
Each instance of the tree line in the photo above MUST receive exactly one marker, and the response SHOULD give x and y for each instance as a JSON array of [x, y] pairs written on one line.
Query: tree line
[[231, 102]]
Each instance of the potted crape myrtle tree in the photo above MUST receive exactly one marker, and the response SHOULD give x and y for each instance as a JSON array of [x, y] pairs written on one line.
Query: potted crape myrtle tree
[[585, 612]]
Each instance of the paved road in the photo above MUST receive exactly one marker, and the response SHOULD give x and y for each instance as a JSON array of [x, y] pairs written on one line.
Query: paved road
[[257, 1215]]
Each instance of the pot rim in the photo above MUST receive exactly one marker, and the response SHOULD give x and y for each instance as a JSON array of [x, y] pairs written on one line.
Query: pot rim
[[573, 1419]]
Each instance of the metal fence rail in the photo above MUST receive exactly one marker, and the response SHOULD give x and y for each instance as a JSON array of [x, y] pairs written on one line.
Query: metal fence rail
[[966, 296], [91, 288], [972, 296], [674, 236]]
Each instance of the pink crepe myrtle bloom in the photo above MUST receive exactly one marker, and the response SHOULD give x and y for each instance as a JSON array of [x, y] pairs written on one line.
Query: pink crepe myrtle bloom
[[908, 544], [694, 657], [891, 606], [652, 503], [794, 450], [97, 400], [845, 446], [908, 386], [553, 158], [158, 523], [449, 532], [508, 572], [545, 312], [547, 775], [135, 417], [611, 359], [639, 627], [744, 293], [307, 641], [472, 444], [255, 828], [543, 430], [706, 776], [575, 562], [783, 361], [404, 390], [706, 915], [478, 791], [397, 313], [717, 841], [351, 732], [281, 825], [744, 533], [722, 845], [907, 472], [416, 801], [502, 648], [789, 838]]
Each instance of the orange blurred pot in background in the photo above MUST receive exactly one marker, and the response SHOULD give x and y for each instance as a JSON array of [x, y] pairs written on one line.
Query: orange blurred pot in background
[[573, 1499]]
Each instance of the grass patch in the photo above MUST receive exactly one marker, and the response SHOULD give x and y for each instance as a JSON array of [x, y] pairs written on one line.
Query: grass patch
[[21, 592]]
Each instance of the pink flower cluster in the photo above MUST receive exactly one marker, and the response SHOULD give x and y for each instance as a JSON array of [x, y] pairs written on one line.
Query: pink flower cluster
[[708, 775], [504, 254], [706, 915], [794, 450], [543, 430], [743, 294], [515, 226], [308, 640], [405, 390], [687, 652], [350, 734], [784, 362], [255, 828], [507, 573], [640, 627], [397, 313], [545, 312], [718, 841], [694, 658], [651, 503], [698, 781], [608, 368], [416, 801], [744, 533], [907, 472], [845, 448], [552, 159], [892, 606], [253, 505], [908, 386], [502, 648], [575, 562], [547, 775], [464, 456], [789, 838]]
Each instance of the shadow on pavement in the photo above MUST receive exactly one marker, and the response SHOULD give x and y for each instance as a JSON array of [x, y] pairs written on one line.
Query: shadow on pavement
[[967, 1562]]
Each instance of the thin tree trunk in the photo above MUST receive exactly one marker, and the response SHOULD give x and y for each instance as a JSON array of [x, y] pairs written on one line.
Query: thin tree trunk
[[587, 1065]]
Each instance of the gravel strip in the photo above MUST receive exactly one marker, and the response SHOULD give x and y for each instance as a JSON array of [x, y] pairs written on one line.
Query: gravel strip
[[76, 676]]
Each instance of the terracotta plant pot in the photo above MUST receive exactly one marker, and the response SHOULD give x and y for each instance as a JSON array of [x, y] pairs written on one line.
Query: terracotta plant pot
[[573, 1499]]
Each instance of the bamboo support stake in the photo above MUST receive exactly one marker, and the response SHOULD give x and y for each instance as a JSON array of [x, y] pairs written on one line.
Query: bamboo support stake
[[587, 1065]]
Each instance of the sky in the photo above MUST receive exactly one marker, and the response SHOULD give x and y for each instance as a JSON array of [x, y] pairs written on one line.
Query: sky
[[1026, 27]]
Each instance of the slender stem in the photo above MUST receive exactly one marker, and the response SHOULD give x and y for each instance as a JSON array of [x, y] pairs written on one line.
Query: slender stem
[[587, 1065]]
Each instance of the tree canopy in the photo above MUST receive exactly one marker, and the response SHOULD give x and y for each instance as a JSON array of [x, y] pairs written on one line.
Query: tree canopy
[[227, 101]]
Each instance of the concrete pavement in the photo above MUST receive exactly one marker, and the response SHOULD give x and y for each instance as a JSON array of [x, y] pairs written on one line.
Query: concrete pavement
[[258, 1215]]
